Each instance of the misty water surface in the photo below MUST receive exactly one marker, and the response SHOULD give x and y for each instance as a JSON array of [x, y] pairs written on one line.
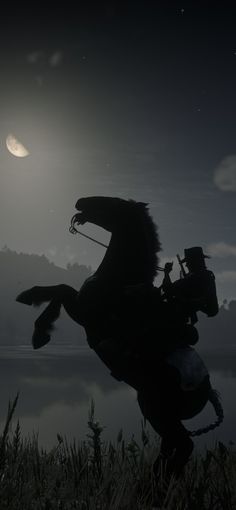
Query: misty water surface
[[57, 383]]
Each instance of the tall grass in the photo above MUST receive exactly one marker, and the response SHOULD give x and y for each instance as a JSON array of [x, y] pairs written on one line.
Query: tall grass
[[97, 475]]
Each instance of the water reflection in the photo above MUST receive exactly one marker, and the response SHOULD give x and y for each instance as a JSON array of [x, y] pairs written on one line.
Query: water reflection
[[57, 383]]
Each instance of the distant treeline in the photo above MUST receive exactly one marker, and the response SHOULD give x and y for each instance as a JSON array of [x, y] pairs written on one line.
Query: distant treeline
[[219, 331], [19, 271]]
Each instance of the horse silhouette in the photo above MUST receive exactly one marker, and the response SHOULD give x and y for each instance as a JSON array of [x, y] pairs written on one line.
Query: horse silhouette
[[130, 328]]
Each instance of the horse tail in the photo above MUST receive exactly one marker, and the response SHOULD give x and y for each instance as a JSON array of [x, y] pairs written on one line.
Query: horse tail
[[214, 398]]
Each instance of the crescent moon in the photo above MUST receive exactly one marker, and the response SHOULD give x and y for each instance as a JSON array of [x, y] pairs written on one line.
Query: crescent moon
[[15, 147]]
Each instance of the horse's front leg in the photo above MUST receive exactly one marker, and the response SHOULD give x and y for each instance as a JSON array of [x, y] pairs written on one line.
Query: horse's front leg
[[38, 295], [44, 324], [59, 295]]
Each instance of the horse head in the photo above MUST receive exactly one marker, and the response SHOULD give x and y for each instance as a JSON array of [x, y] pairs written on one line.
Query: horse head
[[134, 244]]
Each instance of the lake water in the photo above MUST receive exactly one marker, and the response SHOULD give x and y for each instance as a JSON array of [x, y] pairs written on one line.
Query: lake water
[[57, 383]]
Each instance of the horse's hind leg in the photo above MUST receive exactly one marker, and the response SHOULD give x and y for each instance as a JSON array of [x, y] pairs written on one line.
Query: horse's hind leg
[[176, 449], [183, 451], [170, 462], [176, 446]]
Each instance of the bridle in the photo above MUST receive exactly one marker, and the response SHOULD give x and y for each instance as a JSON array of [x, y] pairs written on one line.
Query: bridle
[[74, 231]]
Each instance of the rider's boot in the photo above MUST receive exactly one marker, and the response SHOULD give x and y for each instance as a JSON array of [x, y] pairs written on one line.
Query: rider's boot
[[189, 335]]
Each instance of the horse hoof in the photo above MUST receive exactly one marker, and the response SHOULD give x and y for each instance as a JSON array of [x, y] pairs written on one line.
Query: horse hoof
[[40, 338], [25, 297]]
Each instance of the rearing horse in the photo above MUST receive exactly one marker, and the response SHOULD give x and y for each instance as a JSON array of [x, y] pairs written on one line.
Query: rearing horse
[[125, 321]]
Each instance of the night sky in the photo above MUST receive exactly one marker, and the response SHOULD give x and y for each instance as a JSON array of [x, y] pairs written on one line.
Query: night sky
[[134, 101]]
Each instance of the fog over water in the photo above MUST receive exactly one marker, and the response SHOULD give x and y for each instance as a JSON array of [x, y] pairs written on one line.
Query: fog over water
[[57, 384]]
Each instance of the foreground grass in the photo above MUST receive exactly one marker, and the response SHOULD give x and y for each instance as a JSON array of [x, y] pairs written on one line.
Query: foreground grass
[[94, 475]]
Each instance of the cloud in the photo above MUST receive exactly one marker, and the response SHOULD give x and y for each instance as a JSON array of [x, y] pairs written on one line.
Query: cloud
[[221, 249], [34, 57], [55, 59], [226, 277], [51, 252], [225, 174]]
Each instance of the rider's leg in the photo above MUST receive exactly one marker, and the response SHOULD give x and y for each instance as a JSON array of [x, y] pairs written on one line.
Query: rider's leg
[[187, 334]]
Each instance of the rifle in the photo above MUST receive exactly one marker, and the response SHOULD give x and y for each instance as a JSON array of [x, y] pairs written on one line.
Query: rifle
[[181, 266], [193, 315]]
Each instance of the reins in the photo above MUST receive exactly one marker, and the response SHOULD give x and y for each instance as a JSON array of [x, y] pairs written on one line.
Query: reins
[[74, 230]]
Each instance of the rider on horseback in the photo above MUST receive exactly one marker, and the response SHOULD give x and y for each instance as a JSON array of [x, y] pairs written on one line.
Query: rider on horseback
[[133, 325], [195, 291]]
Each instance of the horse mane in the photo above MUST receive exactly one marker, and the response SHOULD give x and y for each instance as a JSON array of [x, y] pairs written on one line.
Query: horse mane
[[132, 219], [153, 245]]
